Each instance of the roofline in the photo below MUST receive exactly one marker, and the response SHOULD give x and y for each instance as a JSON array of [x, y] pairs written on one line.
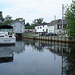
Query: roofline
[[41, 24], [6, 27], [17, 21]]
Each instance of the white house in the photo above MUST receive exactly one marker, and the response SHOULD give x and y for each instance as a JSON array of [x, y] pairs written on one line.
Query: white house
[[59, 29], [41, 28], [18, 27], [55, 26], [52, 26]]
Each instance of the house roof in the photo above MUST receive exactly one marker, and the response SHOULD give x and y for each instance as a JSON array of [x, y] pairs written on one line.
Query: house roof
[[64, 22], [6, 27], [16, 22], [42, 24], [59, 21], [53, 22]]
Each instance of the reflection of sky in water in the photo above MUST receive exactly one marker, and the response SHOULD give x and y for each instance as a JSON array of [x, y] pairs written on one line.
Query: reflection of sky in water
[[34, 58]]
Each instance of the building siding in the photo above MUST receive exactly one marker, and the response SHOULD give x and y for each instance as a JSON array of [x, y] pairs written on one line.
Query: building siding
[[42, 28], [18, 27]]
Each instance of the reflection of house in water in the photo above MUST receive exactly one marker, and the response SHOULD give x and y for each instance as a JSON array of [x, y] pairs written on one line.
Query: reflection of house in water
[[19, 47], [58, 49]]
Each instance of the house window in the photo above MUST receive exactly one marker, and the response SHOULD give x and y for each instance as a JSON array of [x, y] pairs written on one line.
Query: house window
[[35, 30], [21, 25], [59, 27], [43, 26], [21, 30], [40, 27], [59, 31], [43, 29], [46, 30]]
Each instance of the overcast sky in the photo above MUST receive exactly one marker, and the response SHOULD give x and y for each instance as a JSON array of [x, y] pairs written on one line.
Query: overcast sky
[[33, 9]]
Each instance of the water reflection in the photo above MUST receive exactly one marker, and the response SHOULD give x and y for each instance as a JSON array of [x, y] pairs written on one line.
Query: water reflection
[[38, 58], [7, 51], [51, 46], [66, 51], [69, 61]]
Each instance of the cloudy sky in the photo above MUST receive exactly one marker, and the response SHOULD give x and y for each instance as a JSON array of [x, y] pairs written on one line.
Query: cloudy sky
[[33, 9]]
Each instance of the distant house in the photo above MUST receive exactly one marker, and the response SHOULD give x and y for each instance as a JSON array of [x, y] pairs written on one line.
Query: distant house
[[55, 26], [59, 28], [52, 26], [41, 28], [18, 27]]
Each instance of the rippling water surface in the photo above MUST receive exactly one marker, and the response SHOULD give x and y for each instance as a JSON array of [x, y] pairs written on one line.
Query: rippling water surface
[[29, 57]]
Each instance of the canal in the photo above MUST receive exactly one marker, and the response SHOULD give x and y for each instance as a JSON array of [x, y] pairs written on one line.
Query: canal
[[29, 57]]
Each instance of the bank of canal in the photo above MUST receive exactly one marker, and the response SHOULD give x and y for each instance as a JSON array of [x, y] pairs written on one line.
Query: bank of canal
[[58, 38]]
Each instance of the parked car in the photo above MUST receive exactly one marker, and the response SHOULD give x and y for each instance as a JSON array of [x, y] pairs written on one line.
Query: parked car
[[43, 33]]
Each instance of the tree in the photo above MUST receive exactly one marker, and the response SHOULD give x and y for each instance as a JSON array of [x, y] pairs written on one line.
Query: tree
[[20, 19], [70, 15], [32, 26], [1, 18], [7, 20], [27, 26], [38, 21]]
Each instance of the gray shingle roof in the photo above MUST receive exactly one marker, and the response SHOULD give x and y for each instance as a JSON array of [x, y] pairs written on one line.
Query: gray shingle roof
[[16, 22], [53, 22], [64, 22], [42, 24], [59, 21]]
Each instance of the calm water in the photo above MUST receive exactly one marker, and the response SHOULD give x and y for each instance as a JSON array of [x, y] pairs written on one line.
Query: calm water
[[29, 57]]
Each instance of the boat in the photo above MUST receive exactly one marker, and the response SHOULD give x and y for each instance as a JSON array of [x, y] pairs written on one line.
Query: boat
[[7, 35]]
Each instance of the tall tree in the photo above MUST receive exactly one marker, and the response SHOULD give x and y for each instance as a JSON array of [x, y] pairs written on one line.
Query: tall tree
[[1, 18], [38, 21], [27, 26], [7, 20], [32, 26], [70, 15]]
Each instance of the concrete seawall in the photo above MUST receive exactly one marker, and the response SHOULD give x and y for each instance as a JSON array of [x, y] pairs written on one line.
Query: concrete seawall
[[48, 38]]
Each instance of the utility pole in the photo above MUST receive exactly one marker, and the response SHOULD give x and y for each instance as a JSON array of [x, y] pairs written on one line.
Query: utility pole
[[62, 14], [62, 18], [54, 25]]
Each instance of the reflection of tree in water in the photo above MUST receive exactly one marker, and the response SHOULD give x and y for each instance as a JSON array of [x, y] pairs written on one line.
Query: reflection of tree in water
[[29, 42], [39, 47], [34, 44], [69, 67]]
